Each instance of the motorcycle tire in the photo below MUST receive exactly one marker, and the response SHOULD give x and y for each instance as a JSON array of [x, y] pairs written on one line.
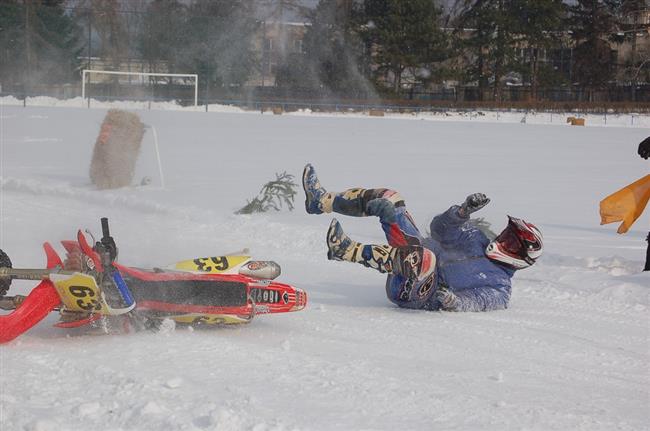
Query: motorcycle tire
[[5, 282]]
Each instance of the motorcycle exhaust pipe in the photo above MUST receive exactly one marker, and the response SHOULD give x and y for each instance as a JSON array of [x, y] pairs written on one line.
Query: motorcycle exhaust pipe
[[262, 269]]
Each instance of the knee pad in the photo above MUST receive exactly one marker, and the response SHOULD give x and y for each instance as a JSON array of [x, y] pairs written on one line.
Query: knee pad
[[416, 262]]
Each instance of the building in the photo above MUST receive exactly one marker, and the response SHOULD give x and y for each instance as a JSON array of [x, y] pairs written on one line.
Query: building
[[274, 42]]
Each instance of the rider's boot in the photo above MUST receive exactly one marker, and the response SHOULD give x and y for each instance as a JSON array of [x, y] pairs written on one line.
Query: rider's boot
[[340, 247], [411, 261], [356, 202]]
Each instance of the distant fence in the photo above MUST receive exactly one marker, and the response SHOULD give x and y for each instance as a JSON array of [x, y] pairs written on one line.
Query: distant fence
[[255, 100], [518, 93]]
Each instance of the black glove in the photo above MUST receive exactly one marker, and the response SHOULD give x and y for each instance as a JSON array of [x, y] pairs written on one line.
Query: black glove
[[473, 203], [644, 148]]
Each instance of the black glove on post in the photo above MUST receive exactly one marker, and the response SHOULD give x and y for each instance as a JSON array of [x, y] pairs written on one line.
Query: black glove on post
[[644, 148], [473, 203]]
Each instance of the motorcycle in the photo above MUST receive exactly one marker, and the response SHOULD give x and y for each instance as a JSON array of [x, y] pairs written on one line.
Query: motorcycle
[[90, 289]]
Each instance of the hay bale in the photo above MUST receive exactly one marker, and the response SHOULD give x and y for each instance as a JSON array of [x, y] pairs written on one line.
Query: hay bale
[[277, 110], [578, 122], [376, 113], [116, 150]]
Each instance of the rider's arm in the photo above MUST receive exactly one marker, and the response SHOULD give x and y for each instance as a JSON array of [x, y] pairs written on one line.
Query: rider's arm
[[446, 227], [449, 226], [486, 298]]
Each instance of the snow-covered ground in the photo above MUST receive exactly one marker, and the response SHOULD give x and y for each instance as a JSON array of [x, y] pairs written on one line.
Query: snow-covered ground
[[514, 116], [571, 353]]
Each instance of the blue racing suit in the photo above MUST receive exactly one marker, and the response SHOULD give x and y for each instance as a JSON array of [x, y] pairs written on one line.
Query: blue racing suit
[[462, 269]]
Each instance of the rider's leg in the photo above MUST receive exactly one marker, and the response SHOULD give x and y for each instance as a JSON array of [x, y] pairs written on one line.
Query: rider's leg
[[386, 204], [411, 261]]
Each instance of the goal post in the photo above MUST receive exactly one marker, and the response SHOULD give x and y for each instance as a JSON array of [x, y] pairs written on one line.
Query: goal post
[[87, 72]]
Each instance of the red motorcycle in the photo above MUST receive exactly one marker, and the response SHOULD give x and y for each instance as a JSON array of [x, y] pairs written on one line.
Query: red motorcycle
[[90, 289]]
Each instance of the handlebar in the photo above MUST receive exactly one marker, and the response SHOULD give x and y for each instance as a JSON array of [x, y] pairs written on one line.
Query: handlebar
[[107, 243], [117, 295], [105, 231]]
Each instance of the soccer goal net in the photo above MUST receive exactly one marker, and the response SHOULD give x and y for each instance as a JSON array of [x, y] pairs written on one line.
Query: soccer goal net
[[108, 85]]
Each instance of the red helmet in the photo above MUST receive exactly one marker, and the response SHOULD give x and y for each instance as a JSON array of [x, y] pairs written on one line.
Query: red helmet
[[519, 245]]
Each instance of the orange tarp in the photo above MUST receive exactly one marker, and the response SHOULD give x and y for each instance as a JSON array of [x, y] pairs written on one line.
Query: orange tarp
[[626, 205]]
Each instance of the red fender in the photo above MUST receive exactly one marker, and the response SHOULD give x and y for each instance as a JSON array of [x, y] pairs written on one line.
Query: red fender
[[41, 300], [71, 246], [53, 259]]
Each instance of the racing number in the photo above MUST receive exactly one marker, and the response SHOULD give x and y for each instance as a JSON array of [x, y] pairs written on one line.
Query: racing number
[[85, 295], [207, 264]]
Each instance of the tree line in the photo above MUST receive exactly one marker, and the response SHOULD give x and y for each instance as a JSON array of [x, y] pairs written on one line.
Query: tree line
[[350, 49]]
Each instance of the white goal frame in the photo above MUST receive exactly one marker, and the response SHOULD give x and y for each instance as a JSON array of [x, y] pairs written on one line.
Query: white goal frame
[[112, 72]]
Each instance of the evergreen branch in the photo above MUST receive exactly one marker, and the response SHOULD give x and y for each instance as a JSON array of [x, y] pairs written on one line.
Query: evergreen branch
[[273, 195]]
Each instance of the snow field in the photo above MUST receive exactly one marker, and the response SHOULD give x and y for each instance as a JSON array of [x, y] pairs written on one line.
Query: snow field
[[571, 353]]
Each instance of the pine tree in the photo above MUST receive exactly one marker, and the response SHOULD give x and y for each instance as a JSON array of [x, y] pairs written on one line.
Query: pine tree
[[593, 23], [330, 65], [110, 24], [40, 43], [216, 42], [158, 39], [538, 26], [403, 35], [488, 31]]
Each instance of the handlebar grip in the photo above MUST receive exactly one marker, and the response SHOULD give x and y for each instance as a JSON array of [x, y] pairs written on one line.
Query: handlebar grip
[[105, 232]]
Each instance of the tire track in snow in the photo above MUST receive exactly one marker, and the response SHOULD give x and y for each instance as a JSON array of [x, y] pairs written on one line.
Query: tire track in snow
[[38, 188]]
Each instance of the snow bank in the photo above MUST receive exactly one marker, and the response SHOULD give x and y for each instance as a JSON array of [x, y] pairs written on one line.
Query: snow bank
[[513, 116]]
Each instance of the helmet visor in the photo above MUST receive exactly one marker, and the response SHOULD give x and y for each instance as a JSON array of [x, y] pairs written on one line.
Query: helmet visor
[[510, 242]]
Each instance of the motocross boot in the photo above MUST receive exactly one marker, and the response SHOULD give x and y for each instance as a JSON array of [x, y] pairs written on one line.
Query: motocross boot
[[355, 202], [341, 248], [316, 199]]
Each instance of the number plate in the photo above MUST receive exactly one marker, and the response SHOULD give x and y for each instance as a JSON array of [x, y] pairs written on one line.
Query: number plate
[[79, 292], [213, 265], [210, 319]]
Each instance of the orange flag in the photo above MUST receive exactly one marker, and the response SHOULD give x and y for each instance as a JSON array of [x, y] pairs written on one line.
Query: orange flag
[[626, 204]]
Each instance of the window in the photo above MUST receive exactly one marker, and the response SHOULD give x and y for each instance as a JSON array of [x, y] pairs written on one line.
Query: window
[[297, 46]]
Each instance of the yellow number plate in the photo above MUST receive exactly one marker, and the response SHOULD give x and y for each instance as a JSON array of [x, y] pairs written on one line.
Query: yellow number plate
[[79, 292], [210, 319], [214, 265]]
